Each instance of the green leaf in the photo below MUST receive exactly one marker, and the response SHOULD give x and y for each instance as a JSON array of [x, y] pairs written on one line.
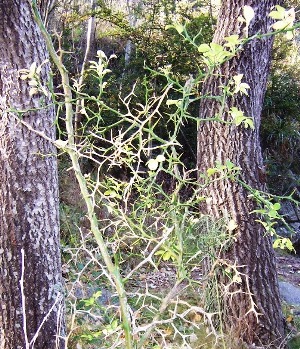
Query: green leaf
[[249, 122], [114, 324], [159, 253], [97, 294], [275, 15], [230, 165], [32, 70], [167, 255], [289, 245], [238, 78], [276, 243], [244, 87], [276, 206], [173, 102], [232, 40], [216, 48], [203, 48], [279, 13], [280, 25], [239, 118], [236, 113], [59, 143], [177, 26], [285, 18], [211, 171], [101, 54], [273, 214], [289, 35]]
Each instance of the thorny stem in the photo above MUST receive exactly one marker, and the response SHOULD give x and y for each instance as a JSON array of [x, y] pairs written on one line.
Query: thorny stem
[[89, 35], [23, 300], [71, 150], [177, 288]]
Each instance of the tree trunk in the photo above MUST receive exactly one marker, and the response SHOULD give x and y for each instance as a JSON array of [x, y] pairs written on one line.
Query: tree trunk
[[30, 287], [252, 249]]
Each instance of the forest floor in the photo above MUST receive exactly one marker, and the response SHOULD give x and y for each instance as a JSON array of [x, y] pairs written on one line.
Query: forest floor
[[288, 268]]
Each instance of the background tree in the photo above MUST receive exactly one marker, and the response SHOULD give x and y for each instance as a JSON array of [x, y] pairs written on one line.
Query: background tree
[[46, 8], [280, 118], [251, 251], [136, 35], [30, 274]]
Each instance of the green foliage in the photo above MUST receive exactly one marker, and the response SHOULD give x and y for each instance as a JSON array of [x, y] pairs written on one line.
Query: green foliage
[[224, 170], [270, 216], [137, 224], [280, 120], [147, 224], [151, 46], [285, 19], [70, 219]]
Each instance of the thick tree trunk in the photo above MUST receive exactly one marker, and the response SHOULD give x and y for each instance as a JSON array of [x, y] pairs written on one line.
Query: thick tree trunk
[[228, 199], [30, 287]]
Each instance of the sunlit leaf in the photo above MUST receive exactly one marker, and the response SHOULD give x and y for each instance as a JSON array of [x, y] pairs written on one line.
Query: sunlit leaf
[[172, 102], [279, 13], [289, 35], [276, 206], [216, 48], [280, 25], [273, 214], [232, 40], [152, 164], [249, 122], [211, 171], [33, 83], [167, 255], [177, 26], [160, 158], [59, 143], [236, 278], [232, 225], [33, 91], [238, 78], [248, 13], [32, 70], [289, 245], [203, 48]]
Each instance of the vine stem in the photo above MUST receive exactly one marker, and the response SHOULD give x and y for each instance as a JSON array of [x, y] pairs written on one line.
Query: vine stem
[[70, 149]]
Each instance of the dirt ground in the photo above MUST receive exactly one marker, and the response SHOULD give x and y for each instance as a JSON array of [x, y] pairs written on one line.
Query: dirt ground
[[288, 268]]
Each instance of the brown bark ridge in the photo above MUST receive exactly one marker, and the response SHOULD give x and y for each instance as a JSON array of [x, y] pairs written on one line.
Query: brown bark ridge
[[252, 249], [30, 291]]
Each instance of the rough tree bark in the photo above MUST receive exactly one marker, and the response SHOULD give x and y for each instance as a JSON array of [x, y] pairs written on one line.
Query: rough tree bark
[[30, 290], [218, 142]]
